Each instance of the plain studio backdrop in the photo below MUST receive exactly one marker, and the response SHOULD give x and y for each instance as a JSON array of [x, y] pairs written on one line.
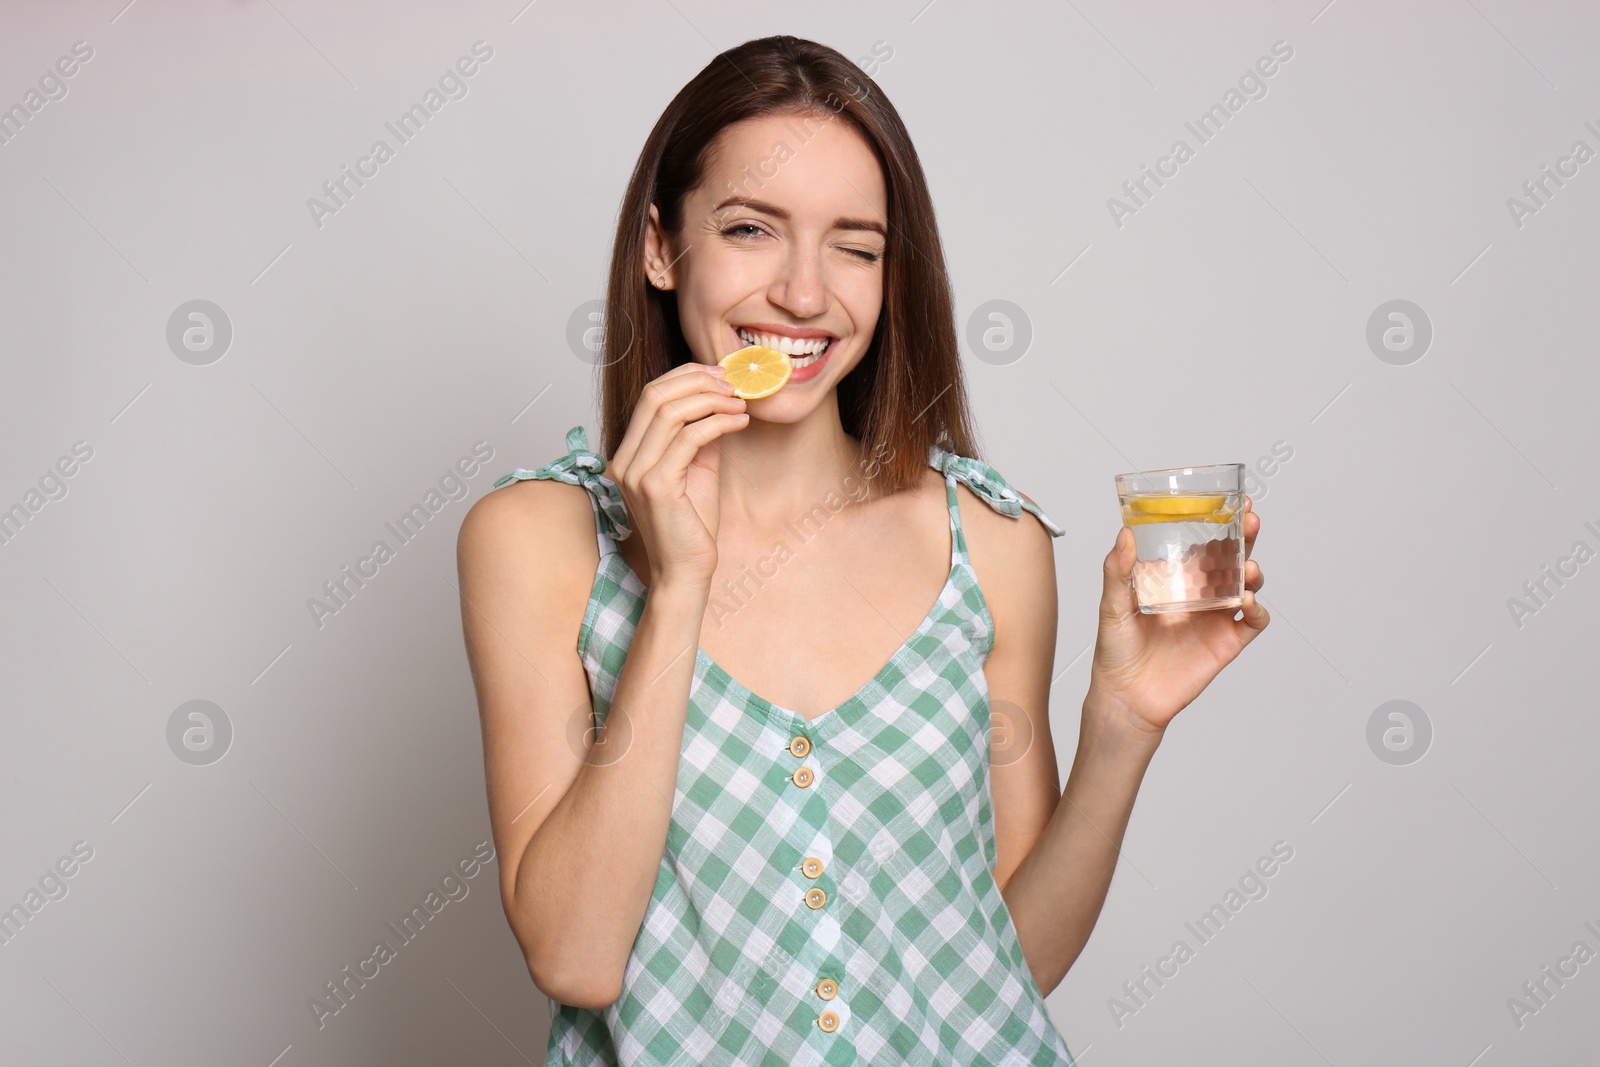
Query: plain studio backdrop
[[1370, 275]]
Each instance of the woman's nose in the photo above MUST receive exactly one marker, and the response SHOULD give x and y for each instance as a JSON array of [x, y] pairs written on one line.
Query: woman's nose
[[799, 289]]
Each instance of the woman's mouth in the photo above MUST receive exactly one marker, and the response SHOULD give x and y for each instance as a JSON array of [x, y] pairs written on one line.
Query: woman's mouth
[[803, 353]]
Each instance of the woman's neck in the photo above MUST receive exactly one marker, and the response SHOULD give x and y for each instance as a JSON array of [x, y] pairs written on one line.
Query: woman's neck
[[773, 472]]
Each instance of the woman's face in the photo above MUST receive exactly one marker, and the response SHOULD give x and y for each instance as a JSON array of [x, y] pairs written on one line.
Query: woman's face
[[782, 245]]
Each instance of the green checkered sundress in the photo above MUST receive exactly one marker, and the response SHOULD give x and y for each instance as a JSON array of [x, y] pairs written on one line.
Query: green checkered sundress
[[825, 895]]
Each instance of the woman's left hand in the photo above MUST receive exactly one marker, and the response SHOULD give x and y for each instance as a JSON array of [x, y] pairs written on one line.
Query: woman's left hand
[[1147, 668]]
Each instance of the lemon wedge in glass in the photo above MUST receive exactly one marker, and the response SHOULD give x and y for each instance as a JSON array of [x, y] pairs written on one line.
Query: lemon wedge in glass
[[1176, 507]]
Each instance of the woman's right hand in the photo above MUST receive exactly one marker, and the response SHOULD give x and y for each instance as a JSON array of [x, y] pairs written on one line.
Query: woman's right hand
[[667, 468]]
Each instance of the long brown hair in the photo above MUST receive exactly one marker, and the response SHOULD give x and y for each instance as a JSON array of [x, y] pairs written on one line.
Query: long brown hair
[[907, 392]]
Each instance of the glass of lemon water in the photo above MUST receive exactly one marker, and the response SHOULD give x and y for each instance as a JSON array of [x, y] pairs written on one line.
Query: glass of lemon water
[[1188, 525]]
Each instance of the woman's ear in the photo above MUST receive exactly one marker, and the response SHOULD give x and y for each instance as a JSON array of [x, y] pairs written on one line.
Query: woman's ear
[[657, 262]]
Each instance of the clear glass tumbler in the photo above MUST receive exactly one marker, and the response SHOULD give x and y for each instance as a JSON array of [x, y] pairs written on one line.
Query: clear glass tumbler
[[1188, 525]]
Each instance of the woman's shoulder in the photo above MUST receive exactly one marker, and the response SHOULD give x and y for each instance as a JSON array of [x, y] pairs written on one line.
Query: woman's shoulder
[[1000, 541], [529, 501], [547, 522], [579, 466], [539, 513], [1012, 556]]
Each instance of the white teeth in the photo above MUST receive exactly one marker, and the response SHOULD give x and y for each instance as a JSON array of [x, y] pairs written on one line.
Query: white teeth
[[789, 346]]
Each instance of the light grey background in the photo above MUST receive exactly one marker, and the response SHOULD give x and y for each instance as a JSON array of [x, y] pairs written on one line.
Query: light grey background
[[1227, 316]]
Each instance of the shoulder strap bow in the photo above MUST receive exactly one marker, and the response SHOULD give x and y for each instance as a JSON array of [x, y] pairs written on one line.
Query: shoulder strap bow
[[989, 484], [580, 466]]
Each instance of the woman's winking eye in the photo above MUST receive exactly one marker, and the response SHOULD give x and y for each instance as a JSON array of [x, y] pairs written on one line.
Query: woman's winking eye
[[738, 232]]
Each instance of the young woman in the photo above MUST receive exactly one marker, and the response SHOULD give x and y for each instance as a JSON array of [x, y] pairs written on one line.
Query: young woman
[[819, 821]]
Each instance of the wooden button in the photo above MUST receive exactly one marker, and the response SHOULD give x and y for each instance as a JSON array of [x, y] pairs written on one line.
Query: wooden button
[[829, 1021], [815, 898], [803, 777], [800, 747], [827, 989], [812, 867]]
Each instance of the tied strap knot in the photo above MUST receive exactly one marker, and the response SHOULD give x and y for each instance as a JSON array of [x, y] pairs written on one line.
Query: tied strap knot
[[582, 466], [989, 484]]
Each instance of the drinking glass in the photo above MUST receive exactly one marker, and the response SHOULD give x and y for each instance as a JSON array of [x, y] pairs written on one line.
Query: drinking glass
[[1188, 525]]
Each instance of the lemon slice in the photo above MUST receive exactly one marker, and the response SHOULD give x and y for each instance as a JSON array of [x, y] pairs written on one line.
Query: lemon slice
[[1175, 504], [1174, 507], [756, 371]]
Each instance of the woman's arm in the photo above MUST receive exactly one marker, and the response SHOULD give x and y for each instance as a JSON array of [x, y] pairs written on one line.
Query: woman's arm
[[579, 827], [1057, 853], [1056, 892], [1056, 849]]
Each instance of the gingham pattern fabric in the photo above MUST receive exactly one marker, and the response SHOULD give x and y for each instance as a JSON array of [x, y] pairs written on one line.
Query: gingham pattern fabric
[[872, 872]]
